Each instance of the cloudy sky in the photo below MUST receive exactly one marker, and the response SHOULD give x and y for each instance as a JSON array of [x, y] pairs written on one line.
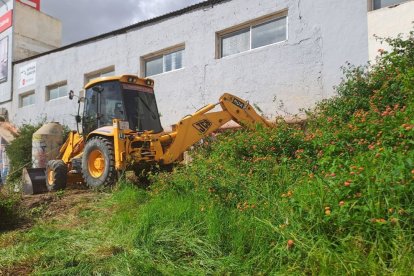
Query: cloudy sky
[[86, 18]]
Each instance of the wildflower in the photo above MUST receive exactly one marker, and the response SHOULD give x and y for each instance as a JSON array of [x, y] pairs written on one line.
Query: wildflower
[[347, 183], [341, 203], [290, 244]]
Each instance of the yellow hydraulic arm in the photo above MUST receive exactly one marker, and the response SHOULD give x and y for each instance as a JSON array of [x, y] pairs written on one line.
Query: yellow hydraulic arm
[[72, 147], [194, 127]]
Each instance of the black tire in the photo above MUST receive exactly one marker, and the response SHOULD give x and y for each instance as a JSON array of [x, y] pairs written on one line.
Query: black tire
[[108, 175], [56, 175]]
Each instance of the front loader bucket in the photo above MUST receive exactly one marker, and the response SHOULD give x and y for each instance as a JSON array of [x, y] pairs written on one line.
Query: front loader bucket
[[34, 181]]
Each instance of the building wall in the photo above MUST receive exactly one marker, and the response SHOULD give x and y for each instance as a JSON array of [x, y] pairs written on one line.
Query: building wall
[[34, 32], [389, 22], [298, 72]]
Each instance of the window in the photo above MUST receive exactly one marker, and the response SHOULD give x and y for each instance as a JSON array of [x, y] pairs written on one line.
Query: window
[[164, 63], [27, 99], [378, 4], [253, 36], [106, 72], [57, 91]]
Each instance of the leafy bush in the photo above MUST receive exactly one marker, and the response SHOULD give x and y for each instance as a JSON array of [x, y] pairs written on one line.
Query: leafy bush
[[9, 213]]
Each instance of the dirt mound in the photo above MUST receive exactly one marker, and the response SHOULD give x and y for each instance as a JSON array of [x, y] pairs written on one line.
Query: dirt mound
[[53, 204]]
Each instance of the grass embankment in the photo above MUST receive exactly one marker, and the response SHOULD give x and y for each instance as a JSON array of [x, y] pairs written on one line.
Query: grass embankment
[[337, 198]]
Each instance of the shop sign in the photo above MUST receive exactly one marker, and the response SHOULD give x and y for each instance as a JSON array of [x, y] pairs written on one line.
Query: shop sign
[[27, 75], [6, 21]]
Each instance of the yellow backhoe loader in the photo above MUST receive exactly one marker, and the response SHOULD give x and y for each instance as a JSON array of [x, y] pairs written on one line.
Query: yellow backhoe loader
[[121, 130]]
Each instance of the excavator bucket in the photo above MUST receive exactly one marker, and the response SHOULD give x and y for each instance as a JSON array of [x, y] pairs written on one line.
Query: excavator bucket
[[34, 181]]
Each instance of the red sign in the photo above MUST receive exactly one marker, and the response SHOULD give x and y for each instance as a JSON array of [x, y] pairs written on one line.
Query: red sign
[[32, 3], [6, 21]]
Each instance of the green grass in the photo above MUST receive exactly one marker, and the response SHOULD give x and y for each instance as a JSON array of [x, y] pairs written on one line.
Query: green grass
[[337, 198]]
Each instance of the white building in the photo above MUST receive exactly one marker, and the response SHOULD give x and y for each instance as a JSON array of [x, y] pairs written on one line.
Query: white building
[[265, 51], [389, 19]]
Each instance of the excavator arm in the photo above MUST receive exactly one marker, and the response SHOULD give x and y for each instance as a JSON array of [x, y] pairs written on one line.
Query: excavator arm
[[193, 128]]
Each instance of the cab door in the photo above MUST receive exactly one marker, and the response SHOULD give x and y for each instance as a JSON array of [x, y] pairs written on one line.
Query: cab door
[[90, 120], [103, 103]]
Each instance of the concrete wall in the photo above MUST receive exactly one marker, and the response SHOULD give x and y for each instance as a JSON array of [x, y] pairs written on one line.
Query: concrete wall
[[298, 72], [34, 32], [389, 22]]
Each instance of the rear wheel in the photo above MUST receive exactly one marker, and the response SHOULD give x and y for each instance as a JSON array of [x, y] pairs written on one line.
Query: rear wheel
[[98, 163], [56, 175]]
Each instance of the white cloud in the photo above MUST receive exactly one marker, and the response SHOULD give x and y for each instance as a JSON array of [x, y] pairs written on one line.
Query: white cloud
[[82, 19], [157, 7]]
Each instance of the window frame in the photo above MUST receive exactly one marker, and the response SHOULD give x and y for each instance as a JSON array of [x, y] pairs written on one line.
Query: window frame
[[371, 5], [250, 25], [27, 94], [162, 54], [53, 86]]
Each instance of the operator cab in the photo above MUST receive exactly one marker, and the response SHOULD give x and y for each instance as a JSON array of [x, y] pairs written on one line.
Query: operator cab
[[127, 98]]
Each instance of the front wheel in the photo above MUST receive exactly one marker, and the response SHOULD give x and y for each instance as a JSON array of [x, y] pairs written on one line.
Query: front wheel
[[98, 163], [56, 175]]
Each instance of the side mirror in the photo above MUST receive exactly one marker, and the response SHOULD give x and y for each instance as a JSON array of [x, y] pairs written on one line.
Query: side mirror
[[78, 119], [71, 94]]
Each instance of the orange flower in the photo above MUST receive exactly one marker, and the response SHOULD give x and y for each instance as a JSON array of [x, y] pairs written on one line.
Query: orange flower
[[290, 244], [347, 183]]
